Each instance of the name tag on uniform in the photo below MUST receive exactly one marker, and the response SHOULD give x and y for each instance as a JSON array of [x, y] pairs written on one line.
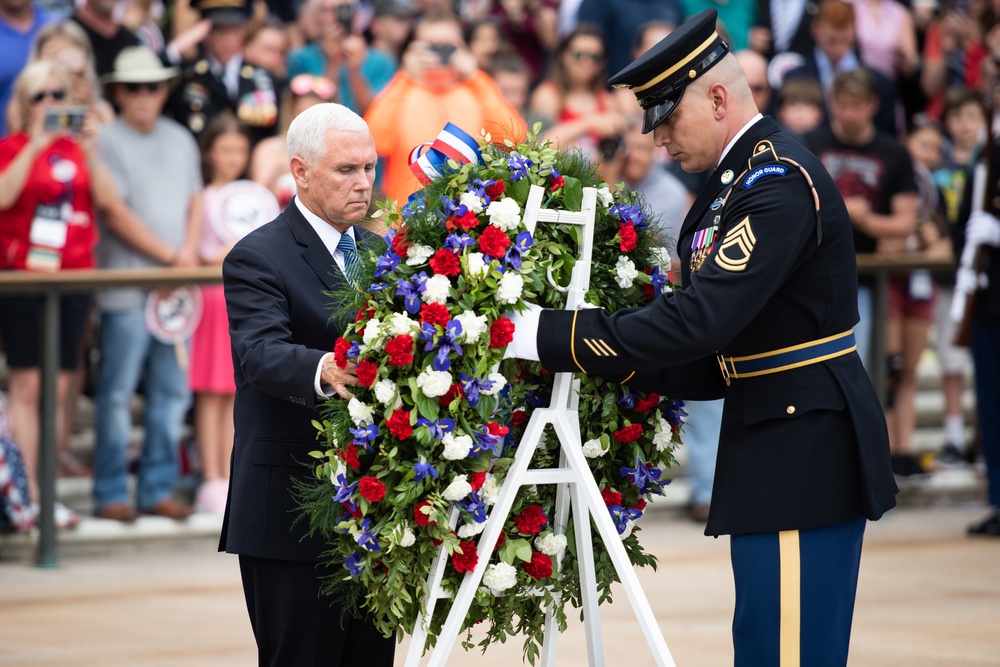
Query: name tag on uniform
[[48, 229]]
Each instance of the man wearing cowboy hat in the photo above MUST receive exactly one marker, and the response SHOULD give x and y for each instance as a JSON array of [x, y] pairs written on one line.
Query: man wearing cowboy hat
[[156, 167]]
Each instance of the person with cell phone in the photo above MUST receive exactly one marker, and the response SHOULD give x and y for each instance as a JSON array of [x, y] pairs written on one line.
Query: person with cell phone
[[51, 183]]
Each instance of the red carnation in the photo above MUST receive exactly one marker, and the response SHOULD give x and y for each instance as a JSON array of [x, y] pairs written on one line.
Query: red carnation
[[399, 424], [494, 189], [519, 417], [371, 489], [445, 262], [648, 291], [350, 456], [557, 183], [627, 237], [640, 504], [501, 332], [465, 561], [531, 520], [419, 517], [399, 244], [611, 497], [340, 349], [367, 372], [435, 313], [453, 393], [648, 403], [539, 567], [500, 541], [358, 316], [494, 242], [496, 429], [400, 350], [476, 480], [629, 433], [466, 221]]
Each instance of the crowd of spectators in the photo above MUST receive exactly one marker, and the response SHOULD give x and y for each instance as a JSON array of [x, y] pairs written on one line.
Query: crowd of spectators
[[103, 104]]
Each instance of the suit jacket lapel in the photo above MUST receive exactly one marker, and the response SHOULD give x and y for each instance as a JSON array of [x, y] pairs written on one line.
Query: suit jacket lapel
[[314, 252], [734, 161]]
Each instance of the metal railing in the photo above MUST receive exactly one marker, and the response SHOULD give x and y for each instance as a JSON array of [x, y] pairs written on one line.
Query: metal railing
[[50, 286]]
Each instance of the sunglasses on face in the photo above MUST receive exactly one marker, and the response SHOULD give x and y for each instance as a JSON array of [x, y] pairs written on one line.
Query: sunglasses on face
[[134, 88], [305, 84], [595, 58], [56, 95]]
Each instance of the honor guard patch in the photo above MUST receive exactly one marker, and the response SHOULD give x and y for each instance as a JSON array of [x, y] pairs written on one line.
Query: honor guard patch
[[760, 172], [738, 243]]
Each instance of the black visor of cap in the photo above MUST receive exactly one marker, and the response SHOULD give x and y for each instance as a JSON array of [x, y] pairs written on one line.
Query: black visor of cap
[[656, 114]]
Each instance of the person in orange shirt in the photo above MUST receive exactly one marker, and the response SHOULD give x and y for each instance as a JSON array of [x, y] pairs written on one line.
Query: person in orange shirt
[[438, 82]]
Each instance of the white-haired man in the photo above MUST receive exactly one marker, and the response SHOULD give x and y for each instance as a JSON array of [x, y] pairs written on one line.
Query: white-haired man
[[276, 280]]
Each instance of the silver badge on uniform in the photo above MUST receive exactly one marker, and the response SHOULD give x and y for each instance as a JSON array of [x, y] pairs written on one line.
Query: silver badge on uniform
[[727, 176]]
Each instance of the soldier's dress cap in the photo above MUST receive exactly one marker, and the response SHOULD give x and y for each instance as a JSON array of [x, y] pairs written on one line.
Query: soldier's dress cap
[[659, 76], [224, 12]]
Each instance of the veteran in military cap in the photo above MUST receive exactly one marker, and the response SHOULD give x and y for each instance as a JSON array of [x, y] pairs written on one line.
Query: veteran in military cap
[[218, 78], [764, 320]]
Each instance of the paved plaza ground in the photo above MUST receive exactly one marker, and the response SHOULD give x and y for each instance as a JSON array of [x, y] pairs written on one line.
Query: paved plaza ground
[[929, 596]]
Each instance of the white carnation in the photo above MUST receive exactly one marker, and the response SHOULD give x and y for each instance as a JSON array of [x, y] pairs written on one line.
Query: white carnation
[[456, 447], [359, 412], [372, 334], [551, 544], [499, 577], [400, 324], [471, 201], [511, 286], [660, 257], [473, 326], [458, 489], [418, 254], [408, 539], [499, 382], [490, 490], [437, 289], [385, 391], [504, 214], [604, 197], [476, 265], [434, 383], [625, 272], [662, 437], [471, 529], [593, 449]]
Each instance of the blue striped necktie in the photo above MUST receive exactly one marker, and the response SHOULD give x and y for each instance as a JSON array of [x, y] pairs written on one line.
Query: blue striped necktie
[[350, 253]]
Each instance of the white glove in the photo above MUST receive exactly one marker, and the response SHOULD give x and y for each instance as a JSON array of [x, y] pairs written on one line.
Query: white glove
[[982, 229], [525, 343]]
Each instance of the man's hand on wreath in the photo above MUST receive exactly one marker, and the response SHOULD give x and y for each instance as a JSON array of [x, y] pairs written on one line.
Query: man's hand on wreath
[[525, 343], [337, 378]]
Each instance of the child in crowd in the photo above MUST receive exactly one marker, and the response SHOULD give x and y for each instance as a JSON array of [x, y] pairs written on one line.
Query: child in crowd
[[800, 105], [225, 154]]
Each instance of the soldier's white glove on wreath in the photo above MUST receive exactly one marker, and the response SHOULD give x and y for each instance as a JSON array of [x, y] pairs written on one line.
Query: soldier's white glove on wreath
[[525, 343], [982, 229]]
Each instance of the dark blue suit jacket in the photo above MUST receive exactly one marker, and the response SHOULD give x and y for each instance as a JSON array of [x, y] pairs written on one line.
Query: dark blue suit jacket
[[280, 323]]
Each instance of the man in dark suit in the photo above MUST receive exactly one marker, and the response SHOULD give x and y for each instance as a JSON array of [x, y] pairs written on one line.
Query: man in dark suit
[[764, 320], [282, 336]]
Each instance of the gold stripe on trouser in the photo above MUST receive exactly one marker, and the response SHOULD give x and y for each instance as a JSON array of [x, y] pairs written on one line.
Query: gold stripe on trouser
[[789, 563]]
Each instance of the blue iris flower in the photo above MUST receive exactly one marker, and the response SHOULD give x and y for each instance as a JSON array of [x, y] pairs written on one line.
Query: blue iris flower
[[424, 469], [646, 478], [364, 435], [450, 207], [444, 342], [521, 245], [535, 399], [455, 242], [659, 280], [629, 397], [622, 516], [354, 351], [344, 490], [474, 505], [386, 263], [367, 538], [410, 290], [473, 386], [437, 429], [479, 187], [674, 413], [485, 441], [414, 204], [630, 213], [518, 166], [354, 564]]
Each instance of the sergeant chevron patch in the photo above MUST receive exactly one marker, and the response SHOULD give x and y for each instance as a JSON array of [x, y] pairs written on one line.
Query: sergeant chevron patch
[[599, 347], [734, 253]]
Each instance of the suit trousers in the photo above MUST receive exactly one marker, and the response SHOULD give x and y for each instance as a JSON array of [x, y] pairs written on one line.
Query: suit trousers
[[297, 627], [795, 595]]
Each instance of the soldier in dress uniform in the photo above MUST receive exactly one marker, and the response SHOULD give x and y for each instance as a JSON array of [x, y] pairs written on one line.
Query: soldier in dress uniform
[[765, 321], [218, 78]]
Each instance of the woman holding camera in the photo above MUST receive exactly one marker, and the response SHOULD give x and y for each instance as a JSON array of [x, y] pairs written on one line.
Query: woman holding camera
[[50, 182]]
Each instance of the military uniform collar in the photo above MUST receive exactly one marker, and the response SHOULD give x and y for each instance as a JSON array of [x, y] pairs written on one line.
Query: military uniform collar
[[743, 130]]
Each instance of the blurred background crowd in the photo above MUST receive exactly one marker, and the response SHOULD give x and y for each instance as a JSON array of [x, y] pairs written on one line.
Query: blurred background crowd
[[126, 124]]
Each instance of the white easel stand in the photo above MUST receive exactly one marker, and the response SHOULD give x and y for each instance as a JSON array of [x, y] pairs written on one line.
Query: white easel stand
[[573, 475]]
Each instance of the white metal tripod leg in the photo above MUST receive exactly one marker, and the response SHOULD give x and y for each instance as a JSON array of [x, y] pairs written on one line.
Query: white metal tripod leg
[[616, 550], [560, 522], [588, 579]]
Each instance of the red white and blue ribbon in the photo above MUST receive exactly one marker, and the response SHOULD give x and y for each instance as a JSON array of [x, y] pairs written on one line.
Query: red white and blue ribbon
[[427, 161]]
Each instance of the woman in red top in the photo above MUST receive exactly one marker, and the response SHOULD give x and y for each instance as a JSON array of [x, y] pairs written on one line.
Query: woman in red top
[[575, 98], [50, 180]]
